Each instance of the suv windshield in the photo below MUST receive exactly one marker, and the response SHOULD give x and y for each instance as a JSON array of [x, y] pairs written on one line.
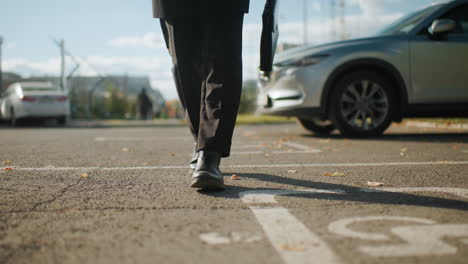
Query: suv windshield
[[407, 23]]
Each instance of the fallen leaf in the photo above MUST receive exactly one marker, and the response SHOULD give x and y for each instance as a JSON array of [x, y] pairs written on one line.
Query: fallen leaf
[[172, 154], [234, 177], [335, 174], [292, 171], [7, 162], [291, 248], [403, 150], [375, 184], [84, 175], [8, 169]]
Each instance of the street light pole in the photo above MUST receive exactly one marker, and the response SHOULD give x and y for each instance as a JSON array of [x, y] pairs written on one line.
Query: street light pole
[[1, 73]]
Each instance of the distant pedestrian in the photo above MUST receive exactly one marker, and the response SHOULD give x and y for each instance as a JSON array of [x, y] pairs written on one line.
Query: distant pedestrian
[[145, 105], [204, 38]]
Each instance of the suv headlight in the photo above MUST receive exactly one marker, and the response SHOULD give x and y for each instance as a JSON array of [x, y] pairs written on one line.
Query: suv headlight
[[302, 61]]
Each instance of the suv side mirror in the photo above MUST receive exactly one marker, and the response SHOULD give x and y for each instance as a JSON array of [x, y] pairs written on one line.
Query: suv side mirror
[[442, 26]]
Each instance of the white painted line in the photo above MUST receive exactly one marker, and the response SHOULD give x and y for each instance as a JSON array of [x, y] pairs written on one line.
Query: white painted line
[[382, 164], [454, 191], [214, 238], [293, 241], [247, 152], [246, 147], [299, 146], [130, 139], [316, 165], [297, 151]]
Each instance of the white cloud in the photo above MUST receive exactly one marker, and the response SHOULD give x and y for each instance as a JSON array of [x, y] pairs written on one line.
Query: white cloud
[[148, 40], [10, 45], [372, 7]]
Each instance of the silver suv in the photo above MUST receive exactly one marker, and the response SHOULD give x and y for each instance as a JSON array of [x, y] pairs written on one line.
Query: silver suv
[[416, 67]]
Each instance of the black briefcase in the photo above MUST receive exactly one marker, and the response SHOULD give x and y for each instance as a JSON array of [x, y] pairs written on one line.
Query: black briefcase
[[270, 36]]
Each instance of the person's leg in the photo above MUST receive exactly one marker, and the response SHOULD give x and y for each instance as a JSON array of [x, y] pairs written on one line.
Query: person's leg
[[222, 85], [183, 41]]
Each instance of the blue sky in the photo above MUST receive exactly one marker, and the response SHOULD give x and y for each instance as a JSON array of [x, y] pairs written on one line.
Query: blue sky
[[121, 37]]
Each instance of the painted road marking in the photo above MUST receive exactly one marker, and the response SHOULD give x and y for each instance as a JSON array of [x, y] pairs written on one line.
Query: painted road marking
[[341, 227], [297, 244], [291, 239], [299, 146], [130, 139], [313, 165], [425, 239], [214, 238]]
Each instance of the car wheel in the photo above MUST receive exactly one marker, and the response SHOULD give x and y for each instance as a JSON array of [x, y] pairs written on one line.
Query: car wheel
[[62, 121], [362, 104], [317, 126]]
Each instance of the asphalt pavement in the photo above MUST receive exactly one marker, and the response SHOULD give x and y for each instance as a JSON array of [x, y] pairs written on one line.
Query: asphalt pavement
[[121, 195]]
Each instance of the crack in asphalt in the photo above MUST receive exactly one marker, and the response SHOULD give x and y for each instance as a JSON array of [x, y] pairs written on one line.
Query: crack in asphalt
[[54, 198]]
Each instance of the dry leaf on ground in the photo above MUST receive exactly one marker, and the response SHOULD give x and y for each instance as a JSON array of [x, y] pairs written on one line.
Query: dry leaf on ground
[[375, 184], [8, 169], [84, 175], [335, 174], [292, 171], [172, 154], [291, 248], [7, 162], [234, 177]]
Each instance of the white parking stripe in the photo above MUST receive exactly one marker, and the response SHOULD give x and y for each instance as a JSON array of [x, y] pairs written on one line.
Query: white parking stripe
[[314, 165], [299, 146], [296, 151], [129, 139], [293, 241]]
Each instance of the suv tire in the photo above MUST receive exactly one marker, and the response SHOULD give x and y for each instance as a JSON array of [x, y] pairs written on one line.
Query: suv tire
[[317, 126], [362, 104]]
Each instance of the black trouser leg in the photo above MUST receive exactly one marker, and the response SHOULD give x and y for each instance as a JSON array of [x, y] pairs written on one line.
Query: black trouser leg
[[222, 82], [182, 38], [207, 57]]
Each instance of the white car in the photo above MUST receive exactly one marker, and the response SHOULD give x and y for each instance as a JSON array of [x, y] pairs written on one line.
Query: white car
[[41, 100]]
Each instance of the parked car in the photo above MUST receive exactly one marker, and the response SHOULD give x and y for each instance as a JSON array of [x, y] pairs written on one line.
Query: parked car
[[34, 100], [416, 67]]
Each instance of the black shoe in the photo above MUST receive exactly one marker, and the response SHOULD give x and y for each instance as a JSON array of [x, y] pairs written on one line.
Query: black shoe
[[194, 160], [207, 175]]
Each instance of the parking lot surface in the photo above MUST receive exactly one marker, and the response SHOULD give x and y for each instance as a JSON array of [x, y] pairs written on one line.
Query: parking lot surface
[[121, 195]]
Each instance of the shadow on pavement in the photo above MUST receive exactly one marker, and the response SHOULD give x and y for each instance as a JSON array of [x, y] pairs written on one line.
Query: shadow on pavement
[[353, 194], [405, 137]]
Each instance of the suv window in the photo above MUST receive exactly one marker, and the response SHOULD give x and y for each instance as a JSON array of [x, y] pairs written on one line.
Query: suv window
[[460, 15]]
